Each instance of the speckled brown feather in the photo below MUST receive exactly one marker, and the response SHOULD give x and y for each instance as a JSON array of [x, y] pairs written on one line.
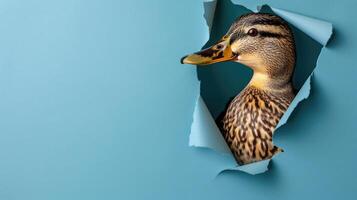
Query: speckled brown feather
[[249, 123]]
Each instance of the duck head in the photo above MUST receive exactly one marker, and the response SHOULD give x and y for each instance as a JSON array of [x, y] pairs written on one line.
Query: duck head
[[263, 42]]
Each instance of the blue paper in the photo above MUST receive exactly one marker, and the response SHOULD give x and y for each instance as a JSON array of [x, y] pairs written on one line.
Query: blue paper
[[317, 29], [204, 131]]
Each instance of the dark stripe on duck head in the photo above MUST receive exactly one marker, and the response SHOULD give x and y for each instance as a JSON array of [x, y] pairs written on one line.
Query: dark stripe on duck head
[[270, 34], [235, 37], [264, 21], [262, 18]]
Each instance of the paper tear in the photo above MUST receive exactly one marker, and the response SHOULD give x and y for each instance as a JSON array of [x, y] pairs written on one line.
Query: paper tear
[[303, 93], [252, 168], [319, 30], [204, 131], [209, 9]]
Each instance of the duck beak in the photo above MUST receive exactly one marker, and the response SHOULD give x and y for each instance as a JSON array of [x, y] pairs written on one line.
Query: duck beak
[[220, 52]]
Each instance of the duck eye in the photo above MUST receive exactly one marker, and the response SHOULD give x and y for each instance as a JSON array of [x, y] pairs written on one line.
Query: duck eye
[[253, 32]]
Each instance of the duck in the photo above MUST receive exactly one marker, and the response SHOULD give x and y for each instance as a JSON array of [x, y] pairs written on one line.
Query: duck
[[264, 43]]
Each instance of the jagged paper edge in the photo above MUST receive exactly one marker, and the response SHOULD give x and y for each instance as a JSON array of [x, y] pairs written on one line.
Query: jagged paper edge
[[204, 131]]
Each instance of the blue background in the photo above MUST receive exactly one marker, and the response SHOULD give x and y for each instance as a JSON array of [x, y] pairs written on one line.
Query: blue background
[[94, 104]]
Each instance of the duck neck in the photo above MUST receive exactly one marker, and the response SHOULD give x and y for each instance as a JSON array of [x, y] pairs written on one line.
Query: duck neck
[[266, 82]]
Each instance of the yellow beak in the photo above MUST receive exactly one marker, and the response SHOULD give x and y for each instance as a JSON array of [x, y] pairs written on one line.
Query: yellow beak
[[219, 52]]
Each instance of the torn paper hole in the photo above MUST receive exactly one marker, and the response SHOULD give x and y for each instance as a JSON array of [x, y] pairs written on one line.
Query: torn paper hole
[[222, 81]]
